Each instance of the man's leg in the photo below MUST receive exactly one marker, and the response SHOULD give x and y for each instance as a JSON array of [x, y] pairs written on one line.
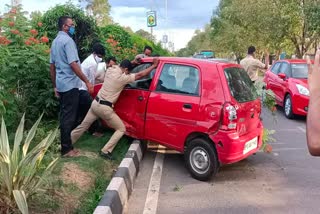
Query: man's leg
[[84, 126], [116, 123], [69, 102], [85, 104]]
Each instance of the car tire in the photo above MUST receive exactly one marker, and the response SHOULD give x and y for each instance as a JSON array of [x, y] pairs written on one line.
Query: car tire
[[201, 159], [287, 107]]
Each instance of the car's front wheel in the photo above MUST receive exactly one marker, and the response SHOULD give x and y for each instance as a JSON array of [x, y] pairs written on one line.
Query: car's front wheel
[[288, 107], [201, 159]]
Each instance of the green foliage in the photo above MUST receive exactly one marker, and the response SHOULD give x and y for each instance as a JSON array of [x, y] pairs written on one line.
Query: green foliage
[[21, 170], [200, 41], [285, 25], [123, 45], [24, 69], [100, 10], [86, 28]]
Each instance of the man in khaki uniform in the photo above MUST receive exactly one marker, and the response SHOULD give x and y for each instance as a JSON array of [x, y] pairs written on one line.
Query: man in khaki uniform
[[252, 65], [102, 107]]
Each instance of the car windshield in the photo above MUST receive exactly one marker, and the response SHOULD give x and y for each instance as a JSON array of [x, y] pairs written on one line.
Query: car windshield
[[299, 71], [241, 87]]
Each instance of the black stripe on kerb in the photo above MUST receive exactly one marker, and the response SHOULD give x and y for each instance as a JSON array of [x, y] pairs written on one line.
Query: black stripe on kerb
[[123, 172], [134, 155], [111, 198]]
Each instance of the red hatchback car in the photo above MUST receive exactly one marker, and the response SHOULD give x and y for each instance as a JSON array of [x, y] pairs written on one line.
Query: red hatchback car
[[207, 110], [288, 80]]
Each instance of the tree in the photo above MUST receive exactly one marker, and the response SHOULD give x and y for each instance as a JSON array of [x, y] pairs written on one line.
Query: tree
[[200, 41], [277, 24], [86, 29], [146, 35], [100, 10]]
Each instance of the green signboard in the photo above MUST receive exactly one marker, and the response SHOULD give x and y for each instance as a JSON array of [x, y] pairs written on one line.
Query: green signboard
[[151, 19]]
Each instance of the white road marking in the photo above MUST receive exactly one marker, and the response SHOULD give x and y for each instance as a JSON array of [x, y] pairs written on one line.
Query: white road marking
[[302, 129], [151, 205], [275, 154], [287, 149]]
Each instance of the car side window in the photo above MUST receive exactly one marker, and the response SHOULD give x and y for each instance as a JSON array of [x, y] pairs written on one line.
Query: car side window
[[145, 82], [275, 68], [285, 69], [179, 79]]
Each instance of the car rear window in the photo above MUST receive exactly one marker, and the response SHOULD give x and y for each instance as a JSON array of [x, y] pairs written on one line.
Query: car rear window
[[299, 71], [240, 84]]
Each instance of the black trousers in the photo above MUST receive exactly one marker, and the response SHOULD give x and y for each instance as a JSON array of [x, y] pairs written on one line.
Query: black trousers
[[69, 102], [85, 101]]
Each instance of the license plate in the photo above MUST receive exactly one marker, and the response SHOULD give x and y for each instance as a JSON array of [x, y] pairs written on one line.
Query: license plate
[[250, 145]]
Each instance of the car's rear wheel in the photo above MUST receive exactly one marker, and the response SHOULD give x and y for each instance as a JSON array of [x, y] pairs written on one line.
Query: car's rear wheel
[[288, 107], [201, 159]]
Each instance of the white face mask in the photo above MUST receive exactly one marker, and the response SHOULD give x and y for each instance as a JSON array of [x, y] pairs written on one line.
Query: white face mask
[[98, 59]]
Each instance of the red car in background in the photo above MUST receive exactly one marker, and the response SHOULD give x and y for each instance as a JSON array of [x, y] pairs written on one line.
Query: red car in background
[[288, 80]]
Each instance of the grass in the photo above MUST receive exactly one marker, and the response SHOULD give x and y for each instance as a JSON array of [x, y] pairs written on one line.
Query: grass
[[97, 170]]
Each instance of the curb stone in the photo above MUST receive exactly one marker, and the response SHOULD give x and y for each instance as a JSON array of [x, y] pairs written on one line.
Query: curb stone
[[115, 198]]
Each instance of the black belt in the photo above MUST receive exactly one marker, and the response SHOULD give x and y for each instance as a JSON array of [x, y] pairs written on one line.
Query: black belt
[[104, 102]]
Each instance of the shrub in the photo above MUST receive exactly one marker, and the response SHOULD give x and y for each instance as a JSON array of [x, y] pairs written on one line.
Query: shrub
[[21, 170], [24, 68], [86, 29]]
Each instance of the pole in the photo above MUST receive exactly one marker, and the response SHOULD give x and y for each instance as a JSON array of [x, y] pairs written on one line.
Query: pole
[[166, 22], [151, 28]]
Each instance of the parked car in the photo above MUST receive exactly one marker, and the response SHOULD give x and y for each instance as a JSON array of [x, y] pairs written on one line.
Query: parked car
[[207, 110], [288, 80]]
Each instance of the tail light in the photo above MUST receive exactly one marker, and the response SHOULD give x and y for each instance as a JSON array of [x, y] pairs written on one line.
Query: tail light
[[229, 117]]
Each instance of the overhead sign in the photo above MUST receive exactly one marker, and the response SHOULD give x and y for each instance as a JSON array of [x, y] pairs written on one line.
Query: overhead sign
[[151, 19]]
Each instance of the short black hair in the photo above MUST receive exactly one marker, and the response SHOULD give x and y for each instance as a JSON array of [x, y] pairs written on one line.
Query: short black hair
[[62, 21], [126, 64], [111, 58], [99, 49], [147, 47], [251, 50]]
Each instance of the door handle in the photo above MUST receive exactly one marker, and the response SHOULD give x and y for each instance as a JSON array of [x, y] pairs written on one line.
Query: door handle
[[140, 98], [187, 105]]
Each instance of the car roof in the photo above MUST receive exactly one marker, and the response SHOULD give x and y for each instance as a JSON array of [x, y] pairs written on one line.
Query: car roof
[[193, 60], [293, 61]]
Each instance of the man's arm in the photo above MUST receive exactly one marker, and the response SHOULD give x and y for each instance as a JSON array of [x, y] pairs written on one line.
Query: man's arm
[[53, 78], [77, 70], [313, 117], [147, 71]]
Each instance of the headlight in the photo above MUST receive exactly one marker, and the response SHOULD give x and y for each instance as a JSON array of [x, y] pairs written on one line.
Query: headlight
[[303, 90]]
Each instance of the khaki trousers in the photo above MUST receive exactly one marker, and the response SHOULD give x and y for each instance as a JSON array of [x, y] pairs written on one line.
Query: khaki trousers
[[107, 114]]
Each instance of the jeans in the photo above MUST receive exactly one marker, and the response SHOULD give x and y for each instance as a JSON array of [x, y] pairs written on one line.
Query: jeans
[[69, 102]]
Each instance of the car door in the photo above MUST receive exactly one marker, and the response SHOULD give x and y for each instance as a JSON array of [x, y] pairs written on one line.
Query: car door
[[131, 105], [272, 75], [173, 105], [281, 84]]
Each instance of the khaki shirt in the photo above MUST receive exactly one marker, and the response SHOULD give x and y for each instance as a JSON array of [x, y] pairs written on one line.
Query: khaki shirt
[[114, 82], [251, 66]]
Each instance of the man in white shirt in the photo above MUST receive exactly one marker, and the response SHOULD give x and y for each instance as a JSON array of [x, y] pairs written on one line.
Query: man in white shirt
[[89, 68], [101, 71]]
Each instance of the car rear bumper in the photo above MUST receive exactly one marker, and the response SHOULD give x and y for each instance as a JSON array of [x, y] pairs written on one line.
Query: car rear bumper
[[300, 105], [230, 146]]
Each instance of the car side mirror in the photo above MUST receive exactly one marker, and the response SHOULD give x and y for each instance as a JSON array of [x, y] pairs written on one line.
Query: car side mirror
[[282, 76]]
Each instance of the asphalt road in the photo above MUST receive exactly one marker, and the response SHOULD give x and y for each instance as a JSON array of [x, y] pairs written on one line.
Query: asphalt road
[[285, 181]]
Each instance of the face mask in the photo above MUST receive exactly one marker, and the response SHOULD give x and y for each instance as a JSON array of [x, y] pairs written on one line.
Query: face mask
[[72, 30], [98, 59]]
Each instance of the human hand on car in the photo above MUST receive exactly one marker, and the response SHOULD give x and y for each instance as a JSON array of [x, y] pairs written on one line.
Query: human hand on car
[[314, 74], [155, 61]]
